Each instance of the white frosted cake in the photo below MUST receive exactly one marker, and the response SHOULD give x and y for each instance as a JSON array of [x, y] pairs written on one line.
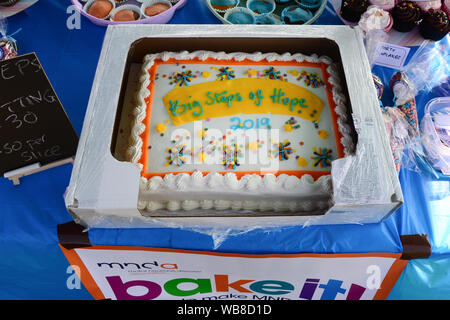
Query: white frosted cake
[[236, 132]]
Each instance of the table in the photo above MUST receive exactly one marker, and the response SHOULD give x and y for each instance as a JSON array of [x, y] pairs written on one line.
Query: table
[[32, 265]]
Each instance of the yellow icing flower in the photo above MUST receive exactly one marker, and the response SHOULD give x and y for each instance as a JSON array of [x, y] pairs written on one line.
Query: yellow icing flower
[[295, 73], [323, 134], [288, 127], [302, 162], [160, 127], [251, 73], [206, 74], [253, 145]]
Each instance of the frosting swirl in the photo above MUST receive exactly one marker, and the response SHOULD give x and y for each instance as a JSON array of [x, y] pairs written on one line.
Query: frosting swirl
[[374, 19], [406, 16]]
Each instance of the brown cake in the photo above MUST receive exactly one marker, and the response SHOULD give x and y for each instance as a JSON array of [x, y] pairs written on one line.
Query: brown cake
[[435, 25], [407, 16]]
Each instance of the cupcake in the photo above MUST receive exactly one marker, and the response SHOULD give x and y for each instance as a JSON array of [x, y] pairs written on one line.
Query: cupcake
[[223, 5], [375, 18], [406, 16], [261, 6], [99, 8], [240, 16], [126, 13], [268, 18], [386, 5], [154, 7], [310, 5], [435, 25], [446, 6], [295, 15], [351, 10], [284, 2], [426, 5]]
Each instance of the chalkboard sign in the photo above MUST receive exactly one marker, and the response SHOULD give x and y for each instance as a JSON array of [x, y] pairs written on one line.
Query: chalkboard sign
[[34, 127]]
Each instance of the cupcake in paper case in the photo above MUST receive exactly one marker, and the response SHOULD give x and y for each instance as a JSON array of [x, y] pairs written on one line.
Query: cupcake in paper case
[[311, 5], [126, 13], [435, 25], [295, 15], [261, 6], [351, 10], [240, 15], [387, 5], [426, 5], [223, 5], [99, 9], [406, 15], [268, 18], [152, 8], [446, 6], [284, 2], [376, 18]]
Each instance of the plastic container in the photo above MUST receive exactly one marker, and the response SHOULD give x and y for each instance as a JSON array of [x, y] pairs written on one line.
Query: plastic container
[[437, 118], [279, 8], [158, 19]]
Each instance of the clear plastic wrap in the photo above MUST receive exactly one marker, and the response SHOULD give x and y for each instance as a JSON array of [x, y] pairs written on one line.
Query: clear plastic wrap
[[8, 45], [416, 145]]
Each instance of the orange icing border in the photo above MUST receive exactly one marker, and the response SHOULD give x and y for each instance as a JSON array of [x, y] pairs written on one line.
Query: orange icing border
[[298, 173]]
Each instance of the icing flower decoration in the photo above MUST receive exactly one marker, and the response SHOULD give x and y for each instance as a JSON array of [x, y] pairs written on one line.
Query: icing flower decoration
[[160, 128], [291, 124], [311, 79], [225, 73], [322, 157], [177, 155], [251, 73], [323, 134], [181, 79], [273, 74], [302, 162], [283, 151]]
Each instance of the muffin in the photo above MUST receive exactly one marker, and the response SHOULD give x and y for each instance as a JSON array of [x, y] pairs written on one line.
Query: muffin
[[261, 6], [435, 25], [126, 15], [406, 15], [268, 18], [375, 18], [100, 9], [240, 16], [153, 8], [295, 15], [223, 5], [386, 5], [446, 6], [427, 5], [351, 10]]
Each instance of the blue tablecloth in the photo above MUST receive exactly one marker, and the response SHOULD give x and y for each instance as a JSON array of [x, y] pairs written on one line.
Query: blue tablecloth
[[31, 263]]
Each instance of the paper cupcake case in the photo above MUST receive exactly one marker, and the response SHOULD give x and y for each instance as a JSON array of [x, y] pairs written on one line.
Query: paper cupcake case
[[277, 12], [162, 18]]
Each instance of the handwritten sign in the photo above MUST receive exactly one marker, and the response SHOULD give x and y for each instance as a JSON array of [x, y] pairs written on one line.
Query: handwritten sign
[[34, 128], [391, 56]]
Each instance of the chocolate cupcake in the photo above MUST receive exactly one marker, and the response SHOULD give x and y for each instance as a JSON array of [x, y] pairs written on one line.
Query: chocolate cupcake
[[351, 10], [407, 16], [435, 25]]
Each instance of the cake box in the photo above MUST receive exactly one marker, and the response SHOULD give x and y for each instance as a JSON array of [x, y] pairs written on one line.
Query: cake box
[[104, 187]]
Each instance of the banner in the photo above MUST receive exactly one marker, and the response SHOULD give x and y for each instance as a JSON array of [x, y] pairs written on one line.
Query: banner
[[140, 273]]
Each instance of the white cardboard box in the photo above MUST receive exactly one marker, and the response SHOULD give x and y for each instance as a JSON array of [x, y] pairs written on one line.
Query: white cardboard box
[[103, 191]]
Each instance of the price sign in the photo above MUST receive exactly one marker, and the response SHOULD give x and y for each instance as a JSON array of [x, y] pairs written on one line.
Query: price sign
[[34, 127]]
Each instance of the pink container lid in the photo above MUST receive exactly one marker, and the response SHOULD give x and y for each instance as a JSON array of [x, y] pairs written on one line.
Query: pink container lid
[[161, 18]]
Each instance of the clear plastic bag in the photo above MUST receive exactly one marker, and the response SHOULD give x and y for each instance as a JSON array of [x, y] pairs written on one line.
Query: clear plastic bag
[[8, 45]]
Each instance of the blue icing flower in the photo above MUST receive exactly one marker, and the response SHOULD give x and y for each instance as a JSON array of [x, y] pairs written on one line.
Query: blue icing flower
[[267, 18], [241, 16], [261, 6], [295, 15]]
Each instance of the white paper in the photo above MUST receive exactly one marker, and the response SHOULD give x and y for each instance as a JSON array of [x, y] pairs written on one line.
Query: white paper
[[390, 55]]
